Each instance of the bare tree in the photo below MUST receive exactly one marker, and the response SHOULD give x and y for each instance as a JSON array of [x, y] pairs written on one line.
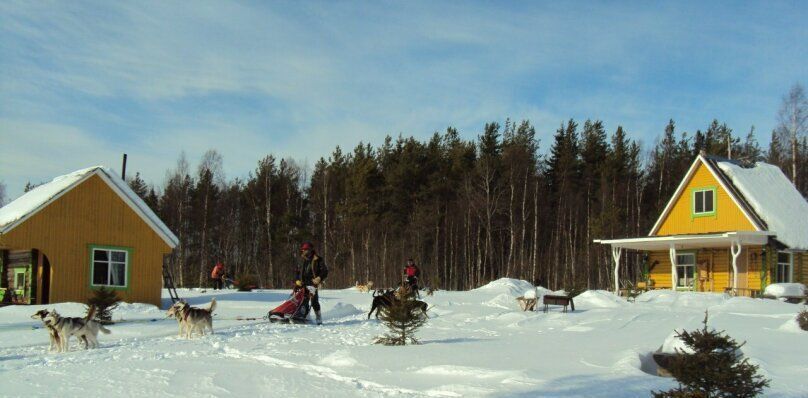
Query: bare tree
[[793, 122]]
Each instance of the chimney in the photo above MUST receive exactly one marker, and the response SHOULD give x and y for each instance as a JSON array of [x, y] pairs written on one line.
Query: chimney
[[123, 168]]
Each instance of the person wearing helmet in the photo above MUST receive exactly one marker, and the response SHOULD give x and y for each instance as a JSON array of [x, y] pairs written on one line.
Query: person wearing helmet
[[310, 274], [412, 272]]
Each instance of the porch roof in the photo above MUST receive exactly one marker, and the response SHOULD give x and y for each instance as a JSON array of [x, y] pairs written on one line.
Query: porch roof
[[683, 242]]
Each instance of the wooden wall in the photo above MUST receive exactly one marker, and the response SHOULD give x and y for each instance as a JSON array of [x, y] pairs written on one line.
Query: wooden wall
[[714, 268], [92, 214], [728, 216]]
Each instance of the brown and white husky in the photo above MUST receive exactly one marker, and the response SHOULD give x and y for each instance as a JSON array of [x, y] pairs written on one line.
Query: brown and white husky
[[86, 329], [193, 319]]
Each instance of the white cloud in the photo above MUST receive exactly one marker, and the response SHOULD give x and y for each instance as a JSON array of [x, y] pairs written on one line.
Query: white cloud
[[153, 79]]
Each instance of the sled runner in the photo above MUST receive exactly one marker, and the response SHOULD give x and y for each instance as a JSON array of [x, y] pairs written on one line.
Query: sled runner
[[294, 310]]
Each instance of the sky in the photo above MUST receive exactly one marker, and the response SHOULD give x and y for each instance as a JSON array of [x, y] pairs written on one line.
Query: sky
[[81, 82]]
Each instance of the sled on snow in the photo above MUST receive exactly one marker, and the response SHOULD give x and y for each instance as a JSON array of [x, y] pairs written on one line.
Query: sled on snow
[[294, 310]]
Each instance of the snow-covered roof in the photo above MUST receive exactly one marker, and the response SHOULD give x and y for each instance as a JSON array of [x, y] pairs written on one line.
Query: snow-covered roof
[[16, 212], [773, 197]]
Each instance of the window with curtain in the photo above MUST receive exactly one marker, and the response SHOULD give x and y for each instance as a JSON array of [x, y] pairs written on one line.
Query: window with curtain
[[110, 267]]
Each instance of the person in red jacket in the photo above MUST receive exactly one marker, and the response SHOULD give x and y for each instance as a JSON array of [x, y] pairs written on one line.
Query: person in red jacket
[[412, 272], [217, 275]]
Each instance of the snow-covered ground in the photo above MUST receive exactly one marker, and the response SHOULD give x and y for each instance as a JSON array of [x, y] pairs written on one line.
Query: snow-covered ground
[[476, 343]]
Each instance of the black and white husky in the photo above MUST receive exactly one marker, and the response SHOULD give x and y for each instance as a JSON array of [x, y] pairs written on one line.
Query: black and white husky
[[193, 319], [86, 329], [53, 333]]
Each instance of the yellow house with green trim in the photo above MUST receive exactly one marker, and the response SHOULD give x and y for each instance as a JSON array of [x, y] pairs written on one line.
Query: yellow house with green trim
[[729, 226], [77, 233]]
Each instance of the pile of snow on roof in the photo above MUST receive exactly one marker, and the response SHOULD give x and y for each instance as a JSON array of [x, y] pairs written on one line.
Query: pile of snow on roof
[[774, 198]]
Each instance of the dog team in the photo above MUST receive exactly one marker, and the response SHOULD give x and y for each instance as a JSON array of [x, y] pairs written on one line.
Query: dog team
[[193, 320]]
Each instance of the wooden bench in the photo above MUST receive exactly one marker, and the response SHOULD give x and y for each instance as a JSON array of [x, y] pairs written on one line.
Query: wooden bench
[[551, 299]]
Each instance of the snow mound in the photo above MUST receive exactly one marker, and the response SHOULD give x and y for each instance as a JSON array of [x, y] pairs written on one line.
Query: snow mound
[[512, 287], [342, 310], [598, 299], [791, 326], [682, 299], [785, 289], [503, 300], [673, 345], [136, 308], [465, 371], [530, 294], [339, 359]]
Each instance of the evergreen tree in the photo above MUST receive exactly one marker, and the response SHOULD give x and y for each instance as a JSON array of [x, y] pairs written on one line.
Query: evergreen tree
[[139, 186], [403, 318], [105, 301], [713, 368], [802, 319]]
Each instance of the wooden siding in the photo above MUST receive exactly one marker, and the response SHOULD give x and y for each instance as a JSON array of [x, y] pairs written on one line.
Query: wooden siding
[[728, 217], [92, 214], [713, 269]]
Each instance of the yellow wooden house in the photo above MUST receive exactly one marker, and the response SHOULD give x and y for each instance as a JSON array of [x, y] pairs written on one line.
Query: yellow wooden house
[[729, 227], [79, 232]]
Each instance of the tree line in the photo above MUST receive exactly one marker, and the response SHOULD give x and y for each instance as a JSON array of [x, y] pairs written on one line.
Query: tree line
[[467, 210]]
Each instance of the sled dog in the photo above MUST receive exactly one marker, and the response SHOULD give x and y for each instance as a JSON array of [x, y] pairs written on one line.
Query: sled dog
[[364, 288], [193, 319], [86, 329], [386, 298], [52, 333]]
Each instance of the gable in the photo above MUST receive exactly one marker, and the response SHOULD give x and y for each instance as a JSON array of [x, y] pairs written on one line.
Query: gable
[[679, 217], [89, 213], [34, 201]]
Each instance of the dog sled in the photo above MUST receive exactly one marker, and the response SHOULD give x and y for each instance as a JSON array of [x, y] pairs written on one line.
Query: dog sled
[[294, 310]]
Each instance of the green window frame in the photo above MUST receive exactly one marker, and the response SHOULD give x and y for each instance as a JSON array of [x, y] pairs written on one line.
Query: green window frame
[[700, 202], [108, 261]]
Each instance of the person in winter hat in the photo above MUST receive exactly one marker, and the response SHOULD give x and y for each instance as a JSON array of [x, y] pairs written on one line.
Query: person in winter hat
[[217, 274], [310, 274], [412, 273]]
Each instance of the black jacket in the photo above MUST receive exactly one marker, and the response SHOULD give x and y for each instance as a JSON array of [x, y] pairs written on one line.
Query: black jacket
[[311, 268]]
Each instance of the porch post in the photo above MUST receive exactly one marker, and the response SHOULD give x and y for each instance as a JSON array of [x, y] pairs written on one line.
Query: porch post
[[674, 274], [616, 256], [735, 248]]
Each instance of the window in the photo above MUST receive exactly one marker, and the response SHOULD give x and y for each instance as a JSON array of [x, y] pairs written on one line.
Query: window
[[685, 270], [784, 261], [704, 201], [19, 280], [110, 267]]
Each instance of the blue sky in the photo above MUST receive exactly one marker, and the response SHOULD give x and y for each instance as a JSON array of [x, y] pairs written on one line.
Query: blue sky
[[83, 82]]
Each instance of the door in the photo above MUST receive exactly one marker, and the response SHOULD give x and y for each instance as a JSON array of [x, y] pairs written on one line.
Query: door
[[44, 278]]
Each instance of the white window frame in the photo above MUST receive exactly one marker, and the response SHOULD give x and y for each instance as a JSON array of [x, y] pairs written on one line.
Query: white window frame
[[110, 263], [790, 266], [704, 201], [681, 274]]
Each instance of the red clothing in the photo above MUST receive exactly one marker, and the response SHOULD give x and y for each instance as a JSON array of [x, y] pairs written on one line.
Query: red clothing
[[412, 270], [218, 271]]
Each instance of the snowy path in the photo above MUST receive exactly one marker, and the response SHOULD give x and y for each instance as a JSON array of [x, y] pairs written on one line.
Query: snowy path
[[475, 344]]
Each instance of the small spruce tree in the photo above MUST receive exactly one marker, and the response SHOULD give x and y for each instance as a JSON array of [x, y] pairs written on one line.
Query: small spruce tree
[[403, 317], [713, 370], [104, 300], [802, 319]]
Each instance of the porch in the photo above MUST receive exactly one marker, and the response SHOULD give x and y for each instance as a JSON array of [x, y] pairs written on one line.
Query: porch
[[728, 261]]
